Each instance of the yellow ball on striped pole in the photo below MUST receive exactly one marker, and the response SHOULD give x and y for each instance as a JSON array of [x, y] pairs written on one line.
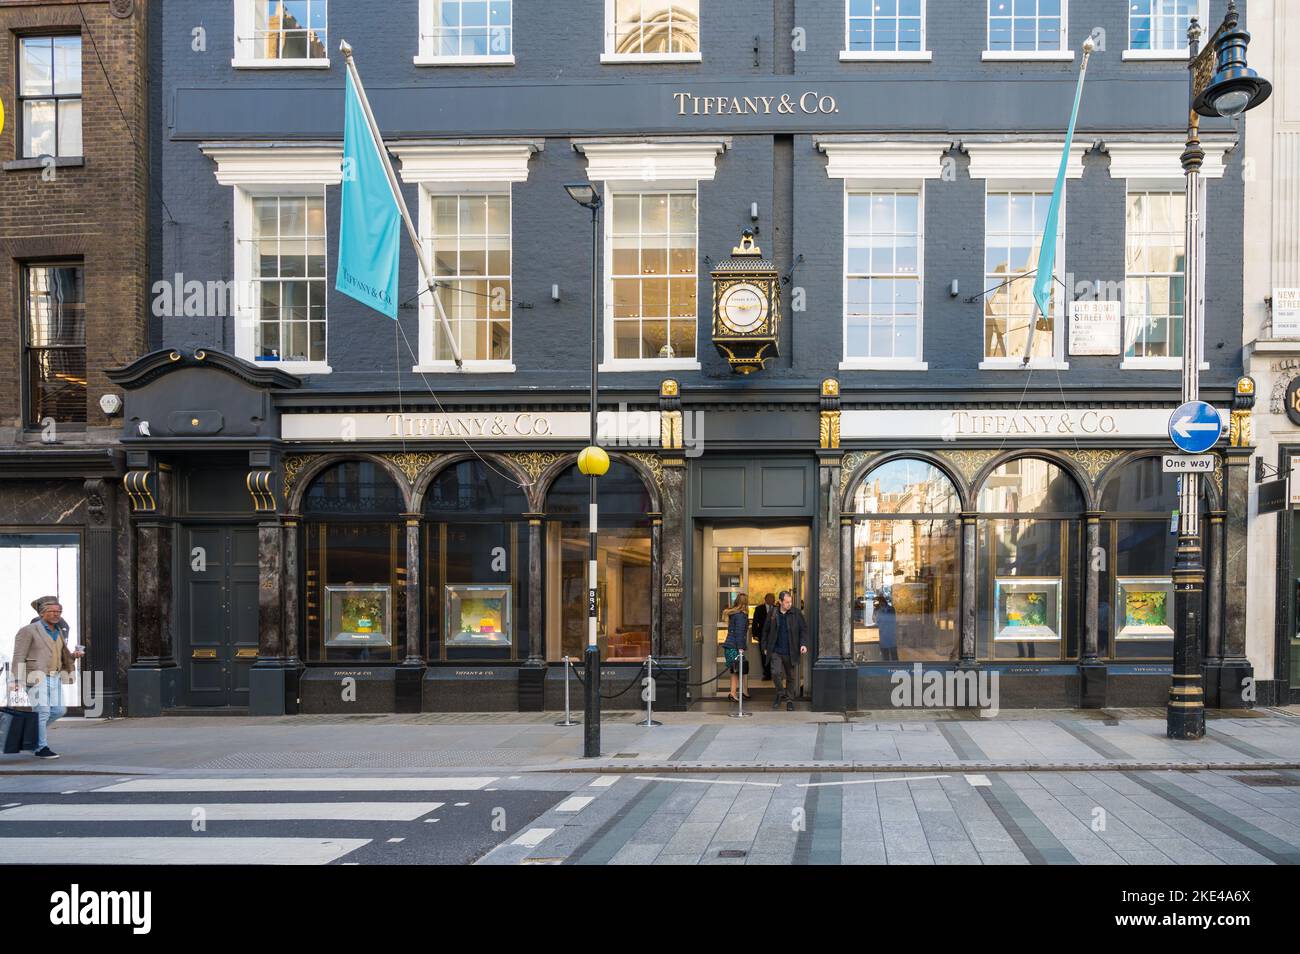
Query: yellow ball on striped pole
[[593, 462]]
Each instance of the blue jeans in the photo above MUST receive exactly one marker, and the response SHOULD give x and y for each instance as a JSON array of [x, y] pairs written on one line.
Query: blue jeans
[[47, 701]]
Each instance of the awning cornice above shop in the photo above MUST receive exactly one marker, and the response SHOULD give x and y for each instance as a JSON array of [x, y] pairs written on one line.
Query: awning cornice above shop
[[156, 364]]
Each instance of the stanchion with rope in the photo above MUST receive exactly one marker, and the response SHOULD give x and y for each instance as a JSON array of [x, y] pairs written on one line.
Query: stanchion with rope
[[614, 695], [741, 669], [568, 716], [649, 695]]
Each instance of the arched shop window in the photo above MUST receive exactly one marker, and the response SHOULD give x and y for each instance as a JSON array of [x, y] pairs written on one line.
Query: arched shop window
[[1139, 534], [476, 564], [624, 594], [355, 592], [906, 540], [1030, 562]]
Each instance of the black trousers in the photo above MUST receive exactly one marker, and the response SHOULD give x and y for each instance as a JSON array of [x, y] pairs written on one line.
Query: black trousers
[[784, 676]]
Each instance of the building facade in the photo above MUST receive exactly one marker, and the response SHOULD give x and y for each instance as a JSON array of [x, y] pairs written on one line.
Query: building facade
[[327, 514], [1272, 349], [73, 282]]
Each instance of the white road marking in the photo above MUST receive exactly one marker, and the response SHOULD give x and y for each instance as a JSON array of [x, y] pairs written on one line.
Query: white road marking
[[232, 811], [979, 781], [605, 781], [194, 850], [533, 837], [396, 841], [575, 804], [705, 781], [461, 804], [869, 781], [404, 784]]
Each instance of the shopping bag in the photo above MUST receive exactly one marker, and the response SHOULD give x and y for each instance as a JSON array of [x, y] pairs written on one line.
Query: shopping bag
[[17, 730]]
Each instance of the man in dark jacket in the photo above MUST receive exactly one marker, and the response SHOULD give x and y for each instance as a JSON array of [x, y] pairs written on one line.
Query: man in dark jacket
[[785, 639], [761, 613]]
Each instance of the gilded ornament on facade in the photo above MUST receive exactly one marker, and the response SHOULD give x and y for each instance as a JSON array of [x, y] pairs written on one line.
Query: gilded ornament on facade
[[293, 466], [850, 463], [1093, 461], [652, 463], [670, 430], [533, 463], [1241, 429], [969, 462], [412, 465], [830, 430], [830, 387], [668, 388]]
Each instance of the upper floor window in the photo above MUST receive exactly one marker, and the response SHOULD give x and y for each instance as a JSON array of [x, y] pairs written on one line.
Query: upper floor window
[[467, 32], [885, 26], [471, 257], [1027, 29], [289, 276], [653, 279], [652, 29], [54, 306], [1154, 274], [270, 33], [1158, 28], [49, 96], [882, 299], [1013, 230]]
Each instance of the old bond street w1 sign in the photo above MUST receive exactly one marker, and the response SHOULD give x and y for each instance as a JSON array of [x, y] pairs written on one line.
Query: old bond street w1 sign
[[1033, 424], [613, 427]]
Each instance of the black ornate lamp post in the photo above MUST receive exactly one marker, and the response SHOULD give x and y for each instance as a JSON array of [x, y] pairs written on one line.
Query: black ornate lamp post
[[1221, 85], [593, 462]]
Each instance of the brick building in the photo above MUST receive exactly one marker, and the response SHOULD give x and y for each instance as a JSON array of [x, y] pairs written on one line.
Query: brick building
[[73, 272]]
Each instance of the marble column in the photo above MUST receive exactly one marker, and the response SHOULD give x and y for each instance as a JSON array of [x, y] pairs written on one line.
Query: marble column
[[1092, 671], [292, 594], [1214, 590], [532, 674], [834, 676], [1236, 677], [154, 679], [672, 664], [270, 601], [969, 590], [99, 629], [409, 691], [846, 584]]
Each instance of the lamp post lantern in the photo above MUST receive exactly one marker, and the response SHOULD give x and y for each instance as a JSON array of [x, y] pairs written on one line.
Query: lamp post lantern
[[593, 462], [1221, 85]]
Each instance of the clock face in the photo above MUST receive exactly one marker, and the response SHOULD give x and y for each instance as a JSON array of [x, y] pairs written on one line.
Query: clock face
[[743, 307]]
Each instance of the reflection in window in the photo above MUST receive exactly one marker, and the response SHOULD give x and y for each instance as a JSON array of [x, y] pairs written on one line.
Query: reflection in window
[[55, 330], [624, 593], [1160, 24], [885, 26], [1026, 25], [289, 272], [472, 28], [49, 95], [1030, 485], [471, 252], [653, 281], [1013, 234], [656, 26], [1155, 284], [883, 277], [905, 576], [290, 29]]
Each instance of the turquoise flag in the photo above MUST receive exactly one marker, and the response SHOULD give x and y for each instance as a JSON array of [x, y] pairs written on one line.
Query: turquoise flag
[[1047, 254], [371, 225]]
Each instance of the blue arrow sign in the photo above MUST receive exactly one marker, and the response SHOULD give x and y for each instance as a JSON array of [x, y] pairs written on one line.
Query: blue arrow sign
[[1195, 427]]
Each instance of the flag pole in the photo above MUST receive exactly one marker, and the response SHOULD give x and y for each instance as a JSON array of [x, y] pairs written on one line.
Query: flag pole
[[1089, 45], [426, 266]]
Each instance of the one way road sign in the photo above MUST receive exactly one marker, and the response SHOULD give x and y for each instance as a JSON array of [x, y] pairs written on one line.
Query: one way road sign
[[1195, 427]]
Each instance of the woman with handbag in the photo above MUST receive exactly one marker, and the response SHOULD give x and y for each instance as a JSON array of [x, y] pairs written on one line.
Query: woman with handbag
[[733, 648]]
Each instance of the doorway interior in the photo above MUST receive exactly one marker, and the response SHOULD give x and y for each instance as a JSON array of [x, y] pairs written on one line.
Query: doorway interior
[[755, 560]]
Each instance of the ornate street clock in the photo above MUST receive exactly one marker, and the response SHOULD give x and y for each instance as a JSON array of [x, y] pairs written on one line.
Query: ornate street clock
[[746, 307]]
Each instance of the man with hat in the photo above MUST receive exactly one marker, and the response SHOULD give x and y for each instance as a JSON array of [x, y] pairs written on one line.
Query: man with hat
[[43, 661]]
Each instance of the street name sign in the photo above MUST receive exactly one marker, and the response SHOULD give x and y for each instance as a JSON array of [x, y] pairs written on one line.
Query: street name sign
[[1272, 496], [1195, 427], [1179, 464]]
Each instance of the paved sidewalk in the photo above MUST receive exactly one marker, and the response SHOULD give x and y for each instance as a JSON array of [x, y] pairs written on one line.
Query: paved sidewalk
[[894, 740]]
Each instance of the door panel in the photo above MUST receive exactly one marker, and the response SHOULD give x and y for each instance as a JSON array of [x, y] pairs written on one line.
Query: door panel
[[220, 597]]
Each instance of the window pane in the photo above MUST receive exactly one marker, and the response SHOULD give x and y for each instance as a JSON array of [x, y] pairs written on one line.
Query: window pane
[[67, 65], [38, 128], [70, 127], [37, 66]]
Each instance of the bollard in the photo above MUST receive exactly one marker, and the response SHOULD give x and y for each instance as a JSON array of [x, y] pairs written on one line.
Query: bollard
[[568, 719], [740, 712], [650, 694]]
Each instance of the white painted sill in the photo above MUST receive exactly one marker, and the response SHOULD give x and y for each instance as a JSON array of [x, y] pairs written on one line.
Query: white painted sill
[[1167, 55], [1014, 364], [500, 59], [885, 56], [470, 367], [242, 63], [614, 58], [649, 364], [883, 364], [294, 367], [1156, 364], [1004, 56]]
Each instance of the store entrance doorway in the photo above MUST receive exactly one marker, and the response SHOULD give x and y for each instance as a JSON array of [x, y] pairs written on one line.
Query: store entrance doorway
[[755, 561]]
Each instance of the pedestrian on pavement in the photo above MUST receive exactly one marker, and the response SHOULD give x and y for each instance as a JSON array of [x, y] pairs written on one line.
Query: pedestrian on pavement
[[887, 623], [42, 662], [733, 648], [785, 637], [761, 612]]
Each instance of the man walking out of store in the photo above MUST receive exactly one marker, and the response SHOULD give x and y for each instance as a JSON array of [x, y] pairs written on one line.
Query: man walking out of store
[[42, 662], [785, 639]]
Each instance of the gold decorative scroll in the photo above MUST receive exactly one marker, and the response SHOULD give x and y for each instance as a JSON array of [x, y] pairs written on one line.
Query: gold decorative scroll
[[830, 430], [412, 465], [293, 466], [1093, 461]]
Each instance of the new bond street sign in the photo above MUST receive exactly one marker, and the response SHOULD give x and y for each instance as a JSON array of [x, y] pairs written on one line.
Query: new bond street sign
[[1195, 427]]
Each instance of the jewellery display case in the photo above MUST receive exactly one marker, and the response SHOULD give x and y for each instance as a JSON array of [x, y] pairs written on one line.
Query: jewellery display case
[[358, 616], [478, 615], [1027, 609]]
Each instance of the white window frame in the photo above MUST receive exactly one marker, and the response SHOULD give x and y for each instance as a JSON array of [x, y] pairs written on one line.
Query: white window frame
[[1177, 53], [923, 55], [874, 166], [1157, 166], [245, 59], [429, 55], [465, 168], [1156, 362], [1060, 306], [622, 166], [1064, 54], [270, 169], [608, 55]]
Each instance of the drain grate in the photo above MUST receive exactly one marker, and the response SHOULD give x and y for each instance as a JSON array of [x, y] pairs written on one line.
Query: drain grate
[[625, 755], [1267, 781], [733, 853]]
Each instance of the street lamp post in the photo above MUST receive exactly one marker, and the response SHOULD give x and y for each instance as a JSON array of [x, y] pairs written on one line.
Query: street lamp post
[[593, 462], [1221, 85]]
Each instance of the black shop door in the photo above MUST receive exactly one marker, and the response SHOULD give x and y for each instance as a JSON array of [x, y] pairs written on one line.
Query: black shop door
[[217, 644]]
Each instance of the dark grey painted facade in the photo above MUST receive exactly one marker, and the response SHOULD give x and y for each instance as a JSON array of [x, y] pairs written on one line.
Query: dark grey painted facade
[[558, 91]]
